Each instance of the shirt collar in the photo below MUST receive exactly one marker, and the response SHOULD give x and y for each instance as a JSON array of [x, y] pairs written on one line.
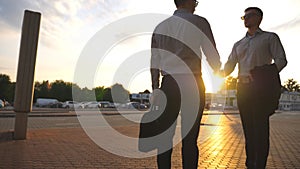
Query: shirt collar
[[258, 31], [181, 11]]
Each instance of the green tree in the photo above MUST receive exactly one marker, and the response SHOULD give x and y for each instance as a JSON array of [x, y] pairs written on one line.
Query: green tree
[[42, 90], [6, 88], [107, 95], [292, 85], [77, 93], [230, 83], [87, 94], [99, 92], [119, 93], [11, 92], [61, 90]]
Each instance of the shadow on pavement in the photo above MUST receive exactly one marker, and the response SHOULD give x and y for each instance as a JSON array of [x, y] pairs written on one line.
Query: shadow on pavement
[[6, 136]]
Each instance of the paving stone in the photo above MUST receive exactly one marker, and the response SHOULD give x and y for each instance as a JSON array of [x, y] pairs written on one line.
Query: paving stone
[[70, 147]]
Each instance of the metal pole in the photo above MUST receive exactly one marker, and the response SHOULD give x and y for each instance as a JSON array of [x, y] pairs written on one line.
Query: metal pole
[[25, 76]]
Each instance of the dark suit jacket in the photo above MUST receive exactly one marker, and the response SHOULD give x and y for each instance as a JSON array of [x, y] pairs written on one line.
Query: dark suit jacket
[[267, 85]]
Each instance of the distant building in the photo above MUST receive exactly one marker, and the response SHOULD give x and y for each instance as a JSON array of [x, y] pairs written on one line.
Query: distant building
[[225, 99], [289, 101], [140, 97]]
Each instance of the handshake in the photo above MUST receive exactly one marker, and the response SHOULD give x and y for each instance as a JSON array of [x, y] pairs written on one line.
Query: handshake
[[220, 73]]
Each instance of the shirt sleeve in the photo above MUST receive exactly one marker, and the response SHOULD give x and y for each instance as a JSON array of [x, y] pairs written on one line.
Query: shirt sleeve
[[277, 52], [154, 63], [231, 62], [209, 48]]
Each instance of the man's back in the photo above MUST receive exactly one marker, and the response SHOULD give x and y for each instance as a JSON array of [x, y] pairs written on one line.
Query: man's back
[[176, 53], [180, 37]]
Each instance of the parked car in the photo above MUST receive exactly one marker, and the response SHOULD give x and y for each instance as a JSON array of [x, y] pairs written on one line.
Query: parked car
[[91, 105], [1, 103], [136, 105], [72, 105], [106, 104], [6, 104], [57, 105], [45, 102]]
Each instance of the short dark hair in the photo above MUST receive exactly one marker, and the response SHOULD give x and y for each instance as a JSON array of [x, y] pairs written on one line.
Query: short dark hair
[[258, 10], [179, 2]]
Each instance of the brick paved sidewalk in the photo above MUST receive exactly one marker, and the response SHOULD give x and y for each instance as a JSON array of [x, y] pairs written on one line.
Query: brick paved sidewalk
[[72, 148]]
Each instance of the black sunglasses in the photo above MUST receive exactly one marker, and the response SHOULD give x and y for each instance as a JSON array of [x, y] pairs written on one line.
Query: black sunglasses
[[249, 15], [196, 3]]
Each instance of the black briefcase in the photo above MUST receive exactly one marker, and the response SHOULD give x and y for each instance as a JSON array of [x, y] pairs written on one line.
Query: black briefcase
[[149, 130]]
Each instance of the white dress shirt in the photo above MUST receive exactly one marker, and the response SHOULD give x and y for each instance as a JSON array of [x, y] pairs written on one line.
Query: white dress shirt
[[178, 43], [260, 49]]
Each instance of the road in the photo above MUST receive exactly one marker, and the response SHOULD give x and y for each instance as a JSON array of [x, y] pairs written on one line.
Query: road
[[68, 120]]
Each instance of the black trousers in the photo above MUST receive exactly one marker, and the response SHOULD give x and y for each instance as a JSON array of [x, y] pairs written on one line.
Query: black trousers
[[255, 121], [181, 95]]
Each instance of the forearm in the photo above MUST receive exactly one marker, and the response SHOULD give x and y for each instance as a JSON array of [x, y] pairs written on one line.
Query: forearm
[[228, 68], [154, 78]]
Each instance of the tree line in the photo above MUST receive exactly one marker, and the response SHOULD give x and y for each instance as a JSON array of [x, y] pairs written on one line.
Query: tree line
[[65, 91]]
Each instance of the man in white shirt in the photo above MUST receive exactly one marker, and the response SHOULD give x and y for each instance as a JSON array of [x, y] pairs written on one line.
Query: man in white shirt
[[256, 50], [176, 53]]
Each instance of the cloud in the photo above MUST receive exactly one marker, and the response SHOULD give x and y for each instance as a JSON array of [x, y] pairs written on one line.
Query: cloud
[[288, 25], [4, 68], [12, 11], [61, 19]]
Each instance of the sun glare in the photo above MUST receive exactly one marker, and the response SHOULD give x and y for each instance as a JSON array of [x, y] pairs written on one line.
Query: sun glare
[[213, 83]]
